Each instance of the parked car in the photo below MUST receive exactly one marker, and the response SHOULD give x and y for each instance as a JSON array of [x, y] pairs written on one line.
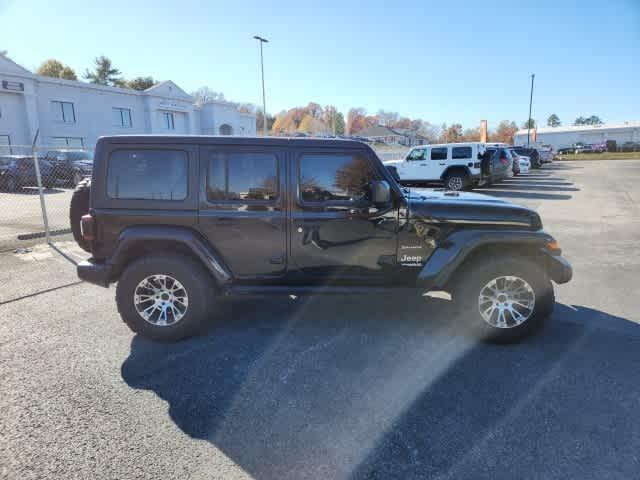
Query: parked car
[[69, 166], [566, 150], [525, 163], [17, 171], [179, 222], [500, 162], [599, 147], [533, 153], [584, 149], [630, 147], [457, 165], [546, 154], [515, 163]]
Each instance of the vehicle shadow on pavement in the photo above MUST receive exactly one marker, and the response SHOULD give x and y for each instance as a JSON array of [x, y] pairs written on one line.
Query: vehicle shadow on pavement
[[535, 187], [376, 389], [524, 194]]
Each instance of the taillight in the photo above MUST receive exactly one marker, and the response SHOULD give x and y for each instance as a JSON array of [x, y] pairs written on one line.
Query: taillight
[[88, 227]]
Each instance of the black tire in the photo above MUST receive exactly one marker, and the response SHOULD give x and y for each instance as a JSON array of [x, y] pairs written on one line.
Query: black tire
[[473, 278], [196, 282], [456, 181], [80, 206]]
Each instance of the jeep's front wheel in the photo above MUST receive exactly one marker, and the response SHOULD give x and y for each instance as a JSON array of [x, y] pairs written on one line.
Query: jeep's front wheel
[[164, 297], [503, 300]]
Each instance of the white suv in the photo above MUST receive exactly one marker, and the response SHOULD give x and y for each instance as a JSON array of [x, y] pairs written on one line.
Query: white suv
[[458, 165]]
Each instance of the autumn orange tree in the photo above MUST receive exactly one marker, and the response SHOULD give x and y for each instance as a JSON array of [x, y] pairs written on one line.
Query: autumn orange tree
[[504, 132]]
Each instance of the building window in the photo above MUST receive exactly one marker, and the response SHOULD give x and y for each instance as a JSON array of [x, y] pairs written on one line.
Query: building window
[[169, 121], [121, 117], [5, 145], [226, 129], [63, 112], [68, 142], [242, 177]]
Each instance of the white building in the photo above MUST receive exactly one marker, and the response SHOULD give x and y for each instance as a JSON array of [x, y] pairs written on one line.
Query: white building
[[560, 137], [74, 114]]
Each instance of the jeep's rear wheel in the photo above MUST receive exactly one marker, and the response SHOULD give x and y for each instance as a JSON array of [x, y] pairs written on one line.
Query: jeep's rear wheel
[[164, 297], [456, 181], [503, 300]]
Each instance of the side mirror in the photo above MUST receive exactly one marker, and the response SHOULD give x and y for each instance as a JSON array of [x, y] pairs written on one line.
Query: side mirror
[[380, 192]]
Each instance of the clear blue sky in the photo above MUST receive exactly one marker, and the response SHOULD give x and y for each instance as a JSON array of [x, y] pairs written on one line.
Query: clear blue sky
[[440, 61]]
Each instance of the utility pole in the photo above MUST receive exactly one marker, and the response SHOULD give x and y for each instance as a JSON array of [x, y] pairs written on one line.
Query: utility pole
[[533, 75], [264, 102]]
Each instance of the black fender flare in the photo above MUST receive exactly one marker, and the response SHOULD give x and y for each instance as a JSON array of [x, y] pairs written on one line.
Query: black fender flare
[[131, 237], [456, 167], [447, 257]]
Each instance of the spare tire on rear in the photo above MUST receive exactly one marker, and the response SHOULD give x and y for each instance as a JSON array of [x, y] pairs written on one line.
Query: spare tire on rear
[[79, 207]]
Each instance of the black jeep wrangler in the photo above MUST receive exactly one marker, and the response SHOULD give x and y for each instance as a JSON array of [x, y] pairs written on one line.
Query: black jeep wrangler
[[178, 221]]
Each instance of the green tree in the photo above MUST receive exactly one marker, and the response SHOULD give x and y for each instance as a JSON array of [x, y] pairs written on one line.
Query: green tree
[[593, 120], [580, 121], [531, 123], [68, 73], [141, 83], [56, 69], [104, 73], [339, 124], [259, 117], [553, 120]]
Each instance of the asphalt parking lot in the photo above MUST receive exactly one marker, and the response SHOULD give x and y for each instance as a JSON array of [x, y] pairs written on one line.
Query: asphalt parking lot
[[361, 388], [21, 215]]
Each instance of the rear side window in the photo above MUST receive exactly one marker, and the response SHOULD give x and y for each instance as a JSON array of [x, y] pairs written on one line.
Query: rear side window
[[242, 176], [147, 175], [459, 153], [340, 177], [439, 153]]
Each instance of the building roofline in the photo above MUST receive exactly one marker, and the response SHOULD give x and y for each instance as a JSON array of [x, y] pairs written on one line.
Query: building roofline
[[24, 70], [583, 128]]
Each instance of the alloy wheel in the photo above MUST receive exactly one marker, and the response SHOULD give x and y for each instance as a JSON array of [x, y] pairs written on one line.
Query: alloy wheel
[[161, 300], [455, 183], [506, 302]]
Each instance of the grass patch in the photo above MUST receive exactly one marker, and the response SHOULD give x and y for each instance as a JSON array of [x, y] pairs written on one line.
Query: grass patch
[[601, 156]]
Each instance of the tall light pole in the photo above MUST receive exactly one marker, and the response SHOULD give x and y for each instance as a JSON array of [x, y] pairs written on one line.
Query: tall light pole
[[533, 75], [264, 102]]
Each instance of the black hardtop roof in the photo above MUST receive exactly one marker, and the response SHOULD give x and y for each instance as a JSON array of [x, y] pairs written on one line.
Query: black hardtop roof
[[230, 140]]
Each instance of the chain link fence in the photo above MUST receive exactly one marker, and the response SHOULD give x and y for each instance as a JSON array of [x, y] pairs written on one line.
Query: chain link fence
[[36, 185]]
